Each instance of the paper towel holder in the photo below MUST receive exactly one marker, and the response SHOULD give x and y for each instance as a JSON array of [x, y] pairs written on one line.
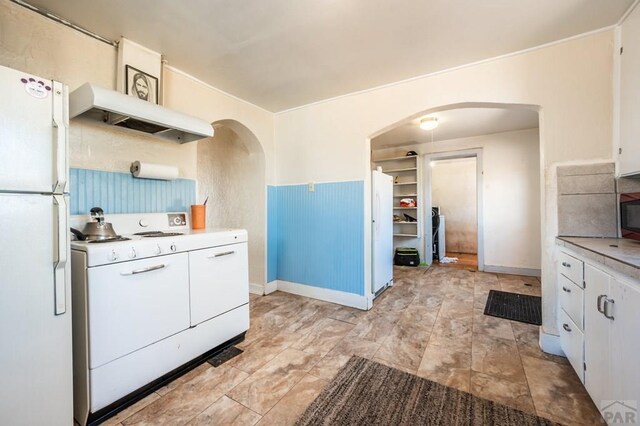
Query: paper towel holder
[[142, 170]]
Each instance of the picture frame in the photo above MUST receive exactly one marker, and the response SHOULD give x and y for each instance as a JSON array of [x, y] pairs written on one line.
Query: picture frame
[[141, 85]]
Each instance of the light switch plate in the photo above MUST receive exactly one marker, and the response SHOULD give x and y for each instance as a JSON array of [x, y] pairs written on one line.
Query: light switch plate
[[311, 186]]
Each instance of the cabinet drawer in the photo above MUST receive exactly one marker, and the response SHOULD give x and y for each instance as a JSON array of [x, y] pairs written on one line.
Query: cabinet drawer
[[572, 343], [571, 300], [219, 280], [571, 268]]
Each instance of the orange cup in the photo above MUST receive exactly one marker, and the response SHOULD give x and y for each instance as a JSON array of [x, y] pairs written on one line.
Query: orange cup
[[198, 216]]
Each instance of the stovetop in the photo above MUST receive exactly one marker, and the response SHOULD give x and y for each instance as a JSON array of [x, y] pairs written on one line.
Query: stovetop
[[152, 234], [170, 234]]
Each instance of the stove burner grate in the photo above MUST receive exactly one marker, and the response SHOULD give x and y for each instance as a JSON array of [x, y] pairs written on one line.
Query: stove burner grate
[[109, 240], [162, 234]]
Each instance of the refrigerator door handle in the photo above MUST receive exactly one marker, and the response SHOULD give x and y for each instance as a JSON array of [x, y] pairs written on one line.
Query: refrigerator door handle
[[60, 256], [60, 132]]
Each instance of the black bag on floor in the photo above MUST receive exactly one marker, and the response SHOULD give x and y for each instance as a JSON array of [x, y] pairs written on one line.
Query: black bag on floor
[[406, 257]]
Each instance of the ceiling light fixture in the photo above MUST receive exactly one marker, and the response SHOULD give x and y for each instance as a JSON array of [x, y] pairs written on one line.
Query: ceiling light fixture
[[429, 123]]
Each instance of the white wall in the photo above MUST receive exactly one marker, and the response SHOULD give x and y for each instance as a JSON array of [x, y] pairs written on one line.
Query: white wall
[[454, 190], [511, 183], [571, 83]]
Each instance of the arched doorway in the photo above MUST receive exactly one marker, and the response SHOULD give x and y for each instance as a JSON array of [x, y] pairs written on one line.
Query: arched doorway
[[511, 174], [231, 172]]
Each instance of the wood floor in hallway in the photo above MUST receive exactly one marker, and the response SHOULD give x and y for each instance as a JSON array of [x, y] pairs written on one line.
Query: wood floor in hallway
[[431, 323]]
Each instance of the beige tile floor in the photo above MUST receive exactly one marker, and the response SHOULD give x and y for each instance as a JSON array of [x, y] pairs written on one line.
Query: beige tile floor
[[431, 323]]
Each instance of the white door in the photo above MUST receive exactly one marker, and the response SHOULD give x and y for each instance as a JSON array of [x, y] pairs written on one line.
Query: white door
[[219, 280], [36, 347], [382, 229], [134, 304], [625, 341], [33, 133], [597, 332]]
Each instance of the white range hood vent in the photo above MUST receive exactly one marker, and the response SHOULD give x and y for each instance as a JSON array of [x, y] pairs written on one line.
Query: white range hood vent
[[127, 111]]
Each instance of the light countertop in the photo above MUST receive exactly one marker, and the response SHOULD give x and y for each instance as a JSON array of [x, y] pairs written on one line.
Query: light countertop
[[620, 254]]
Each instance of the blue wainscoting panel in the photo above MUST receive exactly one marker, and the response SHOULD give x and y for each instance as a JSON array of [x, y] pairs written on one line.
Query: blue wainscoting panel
[[321, 235], [122, 193], [272, 233]]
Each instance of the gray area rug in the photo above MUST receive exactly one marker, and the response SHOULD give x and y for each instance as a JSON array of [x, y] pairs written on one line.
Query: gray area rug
[[368, 393]]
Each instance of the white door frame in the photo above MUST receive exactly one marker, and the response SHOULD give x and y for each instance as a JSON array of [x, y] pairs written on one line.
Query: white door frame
[[450, 155]]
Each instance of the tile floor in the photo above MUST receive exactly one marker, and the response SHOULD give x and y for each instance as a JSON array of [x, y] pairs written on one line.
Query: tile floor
[[431, 323]]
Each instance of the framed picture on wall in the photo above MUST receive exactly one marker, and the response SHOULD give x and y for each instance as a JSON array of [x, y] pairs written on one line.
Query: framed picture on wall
[[141, 85]]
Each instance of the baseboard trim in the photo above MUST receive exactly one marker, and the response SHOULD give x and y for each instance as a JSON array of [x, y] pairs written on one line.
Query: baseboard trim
[[512, 271], [270, 287], [333, 296], [550, 343], [256, 289]]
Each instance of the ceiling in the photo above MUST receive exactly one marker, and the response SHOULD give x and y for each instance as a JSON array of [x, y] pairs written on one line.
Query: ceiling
[[280, 54], [459, 123]]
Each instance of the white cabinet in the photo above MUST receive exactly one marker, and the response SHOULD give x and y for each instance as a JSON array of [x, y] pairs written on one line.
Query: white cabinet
[[219, 281], [604, 354], [629, 159], [597, 343], [625, 341]]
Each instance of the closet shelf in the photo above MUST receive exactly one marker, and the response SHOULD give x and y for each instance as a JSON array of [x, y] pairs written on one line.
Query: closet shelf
[[406, 235], [412, 169], [405, 183], [405, 195], [404, 157], [405, 223], [405, 208]]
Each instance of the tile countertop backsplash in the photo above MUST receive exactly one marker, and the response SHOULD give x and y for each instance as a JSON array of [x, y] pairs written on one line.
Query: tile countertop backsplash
[[620, 254]]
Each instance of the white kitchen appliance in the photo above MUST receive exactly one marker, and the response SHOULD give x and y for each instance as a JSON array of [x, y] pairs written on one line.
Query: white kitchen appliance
[[35, 308], [382, 230], [150, 304]]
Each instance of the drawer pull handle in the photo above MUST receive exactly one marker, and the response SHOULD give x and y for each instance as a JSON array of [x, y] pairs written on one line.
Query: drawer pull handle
[[566, 290], [143, 270], [599, 303], [605, 310], [226, 253], [566, 265], [566, 327]]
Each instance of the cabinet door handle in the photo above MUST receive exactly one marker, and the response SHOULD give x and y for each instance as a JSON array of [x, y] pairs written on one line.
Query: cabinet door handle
[[566, 327], [605, 311], [226, 253], [566, 265], [143, 270], [599, 303], [566, 290]]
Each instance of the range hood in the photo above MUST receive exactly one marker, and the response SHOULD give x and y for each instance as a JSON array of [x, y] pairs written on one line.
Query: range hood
[[127, 111]]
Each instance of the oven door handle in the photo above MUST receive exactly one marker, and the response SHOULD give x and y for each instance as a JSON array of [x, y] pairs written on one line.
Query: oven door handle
[[143, 270], [226, 253]]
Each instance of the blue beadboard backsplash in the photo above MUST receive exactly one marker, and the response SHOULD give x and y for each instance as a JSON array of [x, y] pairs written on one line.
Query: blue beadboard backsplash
[[122, 193], [317, 238]]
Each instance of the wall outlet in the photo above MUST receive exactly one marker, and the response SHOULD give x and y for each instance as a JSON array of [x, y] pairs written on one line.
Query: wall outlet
[[311, 186]]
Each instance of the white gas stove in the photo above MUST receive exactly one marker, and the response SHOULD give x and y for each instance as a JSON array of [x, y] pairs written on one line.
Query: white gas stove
[[150, 304]]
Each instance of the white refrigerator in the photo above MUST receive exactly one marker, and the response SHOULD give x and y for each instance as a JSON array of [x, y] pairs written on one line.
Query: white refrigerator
[[382, 230], [35, 310]]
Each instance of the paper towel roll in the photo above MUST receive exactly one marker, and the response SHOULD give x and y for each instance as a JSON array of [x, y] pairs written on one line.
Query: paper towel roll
[[144, 170]]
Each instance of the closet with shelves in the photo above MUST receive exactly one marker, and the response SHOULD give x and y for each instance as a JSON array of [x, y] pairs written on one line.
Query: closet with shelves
[[406, 185]]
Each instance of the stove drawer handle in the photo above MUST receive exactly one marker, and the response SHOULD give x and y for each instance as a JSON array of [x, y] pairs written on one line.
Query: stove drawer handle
[[143, 270], [226, 253]]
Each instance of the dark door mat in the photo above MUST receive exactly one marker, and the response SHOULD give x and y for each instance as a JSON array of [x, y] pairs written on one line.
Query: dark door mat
[[224, 356], [514, 306], [367, 393]]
